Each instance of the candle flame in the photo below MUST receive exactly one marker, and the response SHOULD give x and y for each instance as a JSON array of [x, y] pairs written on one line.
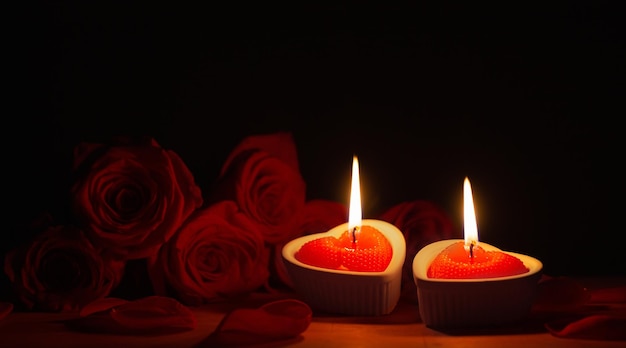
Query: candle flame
[[355, 214], [470, 227]]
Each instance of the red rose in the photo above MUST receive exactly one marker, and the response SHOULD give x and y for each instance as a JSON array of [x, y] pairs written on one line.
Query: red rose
[[262, 176], [317, 216], [422, 223], [218, 253], [131, 198], [60, 271]]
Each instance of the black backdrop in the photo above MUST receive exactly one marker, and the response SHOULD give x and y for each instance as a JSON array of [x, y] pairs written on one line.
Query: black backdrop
[[525, 99]]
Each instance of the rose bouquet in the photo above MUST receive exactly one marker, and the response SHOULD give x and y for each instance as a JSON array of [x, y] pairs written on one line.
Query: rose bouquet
[[135, 201]]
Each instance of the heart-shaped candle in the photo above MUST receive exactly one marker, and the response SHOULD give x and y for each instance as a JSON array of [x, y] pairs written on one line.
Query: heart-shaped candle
[[354, 268], [462, 284], [371, 252], [453, 262]]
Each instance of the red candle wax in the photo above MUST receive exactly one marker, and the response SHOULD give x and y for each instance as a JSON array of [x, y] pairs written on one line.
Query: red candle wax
[[370, 251], [455, 262]]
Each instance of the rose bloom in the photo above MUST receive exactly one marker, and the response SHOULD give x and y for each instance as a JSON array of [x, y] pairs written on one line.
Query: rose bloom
[[217, 254], [318, 216], [131, 198], [262, 176], [60, 271], [422, 223]]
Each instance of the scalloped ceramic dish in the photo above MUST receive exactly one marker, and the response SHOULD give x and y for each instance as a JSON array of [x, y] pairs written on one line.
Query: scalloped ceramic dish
[[348, 292], [473, 303]]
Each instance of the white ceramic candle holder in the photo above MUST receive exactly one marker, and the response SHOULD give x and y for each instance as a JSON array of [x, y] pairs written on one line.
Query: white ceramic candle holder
[[473, 303], [349, 292]]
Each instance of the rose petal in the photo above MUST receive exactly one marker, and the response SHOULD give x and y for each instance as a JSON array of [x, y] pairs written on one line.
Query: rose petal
[[5, 309], [609, 295], [153, 315], [99, 322], [154, 312], [559, 294], [278, 320], [101, 305], [596, 327]]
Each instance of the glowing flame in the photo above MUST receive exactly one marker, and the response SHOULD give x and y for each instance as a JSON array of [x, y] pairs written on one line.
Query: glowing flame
[[355, 215], [470, 227]]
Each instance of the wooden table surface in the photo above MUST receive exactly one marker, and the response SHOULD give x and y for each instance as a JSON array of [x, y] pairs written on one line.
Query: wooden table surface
[[401, 328]]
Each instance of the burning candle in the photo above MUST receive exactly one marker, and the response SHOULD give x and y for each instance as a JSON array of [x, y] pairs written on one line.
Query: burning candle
[[354, 268], [463, 283], [467, 259], [360, 247]]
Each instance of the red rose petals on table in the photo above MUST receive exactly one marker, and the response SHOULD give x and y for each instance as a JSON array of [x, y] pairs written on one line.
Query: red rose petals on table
[[560, 294], [275, 321], [593, 327], [152, 314], [580, 313], [101, 305]]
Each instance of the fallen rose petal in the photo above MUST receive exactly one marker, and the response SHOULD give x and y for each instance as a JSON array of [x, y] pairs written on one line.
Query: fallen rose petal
[[101, 305], [99, 322], [609, 295], [559, 294], [596, 327], [154, 312], [102, 322], [5, 309], [278, 320], [153, 315]]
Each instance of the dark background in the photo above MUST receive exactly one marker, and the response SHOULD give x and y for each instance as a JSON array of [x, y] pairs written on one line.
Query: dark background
[[524, 99]]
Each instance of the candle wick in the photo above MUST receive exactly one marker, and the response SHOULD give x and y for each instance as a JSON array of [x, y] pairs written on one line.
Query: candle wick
[[355, 229], [471, 249]]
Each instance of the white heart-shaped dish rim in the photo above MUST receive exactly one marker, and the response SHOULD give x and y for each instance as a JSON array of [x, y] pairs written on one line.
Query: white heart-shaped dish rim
[[391, 232], [427, 254]]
